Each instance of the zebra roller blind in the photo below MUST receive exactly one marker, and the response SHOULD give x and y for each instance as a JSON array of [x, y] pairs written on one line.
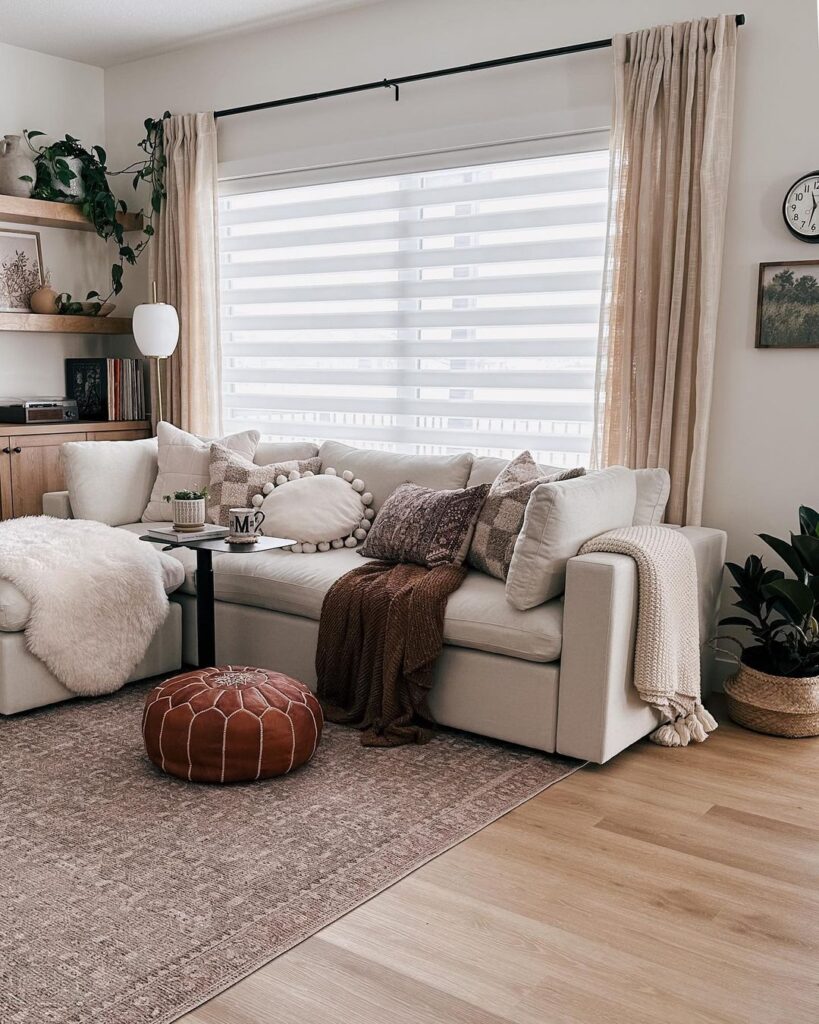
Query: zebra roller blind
[[431, 311]]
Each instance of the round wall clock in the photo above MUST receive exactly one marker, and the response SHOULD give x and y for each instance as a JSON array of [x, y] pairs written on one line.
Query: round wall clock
[[801, 208]]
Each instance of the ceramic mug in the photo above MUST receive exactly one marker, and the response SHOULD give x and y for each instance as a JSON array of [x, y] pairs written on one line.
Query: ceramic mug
[[244, 523]]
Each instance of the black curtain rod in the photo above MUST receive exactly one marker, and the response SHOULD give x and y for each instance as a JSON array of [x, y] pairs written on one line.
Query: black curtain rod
[[396, 83]]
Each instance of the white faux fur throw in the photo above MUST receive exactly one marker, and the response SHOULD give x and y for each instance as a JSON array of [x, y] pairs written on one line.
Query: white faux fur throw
[[97, 596], [667, 651]]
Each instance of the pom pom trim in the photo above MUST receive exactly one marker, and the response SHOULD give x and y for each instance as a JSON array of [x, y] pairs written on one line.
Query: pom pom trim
[[353, 539]]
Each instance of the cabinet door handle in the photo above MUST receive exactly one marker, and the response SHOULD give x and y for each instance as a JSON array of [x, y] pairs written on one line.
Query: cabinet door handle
[[7, 451], [17, 449]]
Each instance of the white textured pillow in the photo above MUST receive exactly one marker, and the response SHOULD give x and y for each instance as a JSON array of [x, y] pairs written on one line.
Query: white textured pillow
[[318, 512], [184, 464], [109, 481], [653, 488], [560, 518]]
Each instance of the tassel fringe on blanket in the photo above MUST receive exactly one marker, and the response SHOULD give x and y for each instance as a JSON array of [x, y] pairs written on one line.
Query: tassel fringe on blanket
[[667, 650]]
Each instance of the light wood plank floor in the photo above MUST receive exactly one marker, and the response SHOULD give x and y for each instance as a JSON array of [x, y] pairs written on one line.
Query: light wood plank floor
[[669, 885]]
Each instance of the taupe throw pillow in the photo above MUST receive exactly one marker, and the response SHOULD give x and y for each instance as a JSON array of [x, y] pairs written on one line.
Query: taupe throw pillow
[[416, 524], [501, 517], [235, 481]]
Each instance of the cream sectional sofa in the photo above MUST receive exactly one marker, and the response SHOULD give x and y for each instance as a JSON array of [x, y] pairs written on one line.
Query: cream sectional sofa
[[556, 677]]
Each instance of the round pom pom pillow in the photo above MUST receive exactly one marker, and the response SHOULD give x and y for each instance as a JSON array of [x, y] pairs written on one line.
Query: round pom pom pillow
[[319, 512]]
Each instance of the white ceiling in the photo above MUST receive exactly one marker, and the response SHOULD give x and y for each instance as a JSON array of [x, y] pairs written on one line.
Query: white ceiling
[[106, 33]]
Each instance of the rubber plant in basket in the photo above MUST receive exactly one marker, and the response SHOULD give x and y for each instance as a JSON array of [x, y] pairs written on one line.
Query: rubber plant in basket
[[776, 688]]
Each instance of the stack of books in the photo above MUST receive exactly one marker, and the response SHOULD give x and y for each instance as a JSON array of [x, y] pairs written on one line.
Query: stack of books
[[106, 389], [168, 533]]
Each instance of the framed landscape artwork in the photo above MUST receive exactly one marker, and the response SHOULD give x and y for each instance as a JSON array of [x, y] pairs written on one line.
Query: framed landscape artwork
[[787, 314], [21, 269]]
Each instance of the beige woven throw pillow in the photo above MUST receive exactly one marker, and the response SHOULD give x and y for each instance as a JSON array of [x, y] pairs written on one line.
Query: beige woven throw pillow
[[235, 481], [501, 517]]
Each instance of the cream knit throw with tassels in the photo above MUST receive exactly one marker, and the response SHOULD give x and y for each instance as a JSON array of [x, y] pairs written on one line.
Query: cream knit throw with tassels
[[667, 650]]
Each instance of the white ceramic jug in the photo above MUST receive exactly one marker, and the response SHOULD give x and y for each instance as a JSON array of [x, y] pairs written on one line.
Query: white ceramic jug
[[15, 164]]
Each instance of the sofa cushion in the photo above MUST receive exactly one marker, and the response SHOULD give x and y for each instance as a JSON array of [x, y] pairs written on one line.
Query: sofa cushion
[[477, 614], [560, 518], [653, 488], [384, 471], [14, 608], [109, 481], [268, 452], [183, 461]]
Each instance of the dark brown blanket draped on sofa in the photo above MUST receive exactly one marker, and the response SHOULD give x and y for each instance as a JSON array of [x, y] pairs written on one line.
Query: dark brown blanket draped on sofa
[[380, 632]]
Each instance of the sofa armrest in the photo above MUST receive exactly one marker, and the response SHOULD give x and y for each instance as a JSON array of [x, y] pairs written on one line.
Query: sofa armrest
[[56, 503], [599, 711]]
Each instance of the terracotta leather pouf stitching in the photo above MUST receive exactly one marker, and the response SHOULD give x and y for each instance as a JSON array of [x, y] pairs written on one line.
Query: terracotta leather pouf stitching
[[230, 724]]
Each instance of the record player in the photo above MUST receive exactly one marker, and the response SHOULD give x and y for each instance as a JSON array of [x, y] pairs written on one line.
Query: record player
[[44, 409]]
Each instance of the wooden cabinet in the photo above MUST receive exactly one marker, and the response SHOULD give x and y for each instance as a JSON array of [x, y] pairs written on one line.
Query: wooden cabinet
[[30, 461]]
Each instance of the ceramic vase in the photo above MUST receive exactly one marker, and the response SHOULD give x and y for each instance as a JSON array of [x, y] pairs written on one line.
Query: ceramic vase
[[75, 192], [14, 165], [43, 300]]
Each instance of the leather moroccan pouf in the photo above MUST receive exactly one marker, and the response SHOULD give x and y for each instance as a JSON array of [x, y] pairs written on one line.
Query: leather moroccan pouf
[[230, 724]]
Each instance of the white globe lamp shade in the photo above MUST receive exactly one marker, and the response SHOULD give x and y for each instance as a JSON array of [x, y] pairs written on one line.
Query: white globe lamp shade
[[156, 329]]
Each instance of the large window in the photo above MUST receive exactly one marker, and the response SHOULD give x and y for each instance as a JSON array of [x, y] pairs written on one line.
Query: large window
[[429, 312]]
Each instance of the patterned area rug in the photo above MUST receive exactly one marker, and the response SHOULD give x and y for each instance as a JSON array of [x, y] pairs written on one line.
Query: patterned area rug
[[127, 896]]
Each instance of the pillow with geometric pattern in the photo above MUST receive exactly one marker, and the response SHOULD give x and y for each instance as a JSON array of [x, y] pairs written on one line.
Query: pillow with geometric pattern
[[236, 481], [501, 517]]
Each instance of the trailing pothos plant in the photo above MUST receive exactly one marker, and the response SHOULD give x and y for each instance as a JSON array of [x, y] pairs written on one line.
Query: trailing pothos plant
[[781, 611], [98, 203]]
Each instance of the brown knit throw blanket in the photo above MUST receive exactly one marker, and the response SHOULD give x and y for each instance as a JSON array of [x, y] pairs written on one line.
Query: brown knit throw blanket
[[381, 629]]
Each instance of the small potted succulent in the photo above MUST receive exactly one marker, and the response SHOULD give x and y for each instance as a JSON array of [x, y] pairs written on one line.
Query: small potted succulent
[[188, 509], [776, 687]]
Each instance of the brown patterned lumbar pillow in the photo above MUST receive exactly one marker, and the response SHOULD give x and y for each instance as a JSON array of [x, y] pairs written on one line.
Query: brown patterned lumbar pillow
[[417, 524], [501, 517], [236, 482]]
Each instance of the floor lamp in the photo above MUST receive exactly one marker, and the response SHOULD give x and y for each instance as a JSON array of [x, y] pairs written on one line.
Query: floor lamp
[[156, 332]]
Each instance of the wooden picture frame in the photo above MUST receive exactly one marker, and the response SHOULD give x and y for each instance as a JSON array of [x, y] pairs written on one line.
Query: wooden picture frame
[[21, 269], [787, 305]]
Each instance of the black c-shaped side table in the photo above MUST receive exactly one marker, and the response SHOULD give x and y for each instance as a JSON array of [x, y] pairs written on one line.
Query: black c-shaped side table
[[205, 628]]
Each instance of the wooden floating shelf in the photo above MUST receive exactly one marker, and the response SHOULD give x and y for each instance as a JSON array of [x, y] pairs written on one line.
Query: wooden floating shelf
[[48, 324], [56, 215]]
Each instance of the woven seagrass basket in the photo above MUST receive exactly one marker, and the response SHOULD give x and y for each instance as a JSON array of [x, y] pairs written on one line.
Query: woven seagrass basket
[[777, 705]]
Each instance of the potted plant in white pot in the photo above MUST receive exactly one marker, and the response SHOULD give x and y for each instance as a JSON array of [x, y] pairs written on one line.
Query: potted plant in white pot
[[776, 688], [188, 509]]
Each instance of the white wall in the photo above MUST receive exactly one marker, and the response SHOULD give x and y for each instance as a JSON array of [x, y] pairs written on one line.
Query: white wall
[[762, 460], [55, 96]]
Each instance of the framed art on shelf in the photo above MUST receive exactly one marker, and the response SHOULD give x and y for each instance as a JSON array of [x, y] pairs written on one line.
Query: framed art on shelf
[[787, 314], [21, 269]]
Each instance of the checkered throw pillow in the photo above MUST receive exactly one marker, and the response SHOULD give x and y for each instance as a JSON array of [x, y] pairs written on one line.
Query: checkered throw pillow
[[235, 480], [501, 517]]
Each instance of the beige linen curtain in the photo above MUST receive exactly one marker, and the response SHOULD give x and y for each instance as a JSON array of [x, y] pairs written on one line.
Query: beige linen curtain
[[670, 156], [185, 266]]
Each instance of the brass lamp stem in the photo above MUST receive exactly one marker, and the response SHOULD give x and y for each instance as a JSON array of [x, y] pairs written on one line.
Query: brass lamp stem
[[159, 383]]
